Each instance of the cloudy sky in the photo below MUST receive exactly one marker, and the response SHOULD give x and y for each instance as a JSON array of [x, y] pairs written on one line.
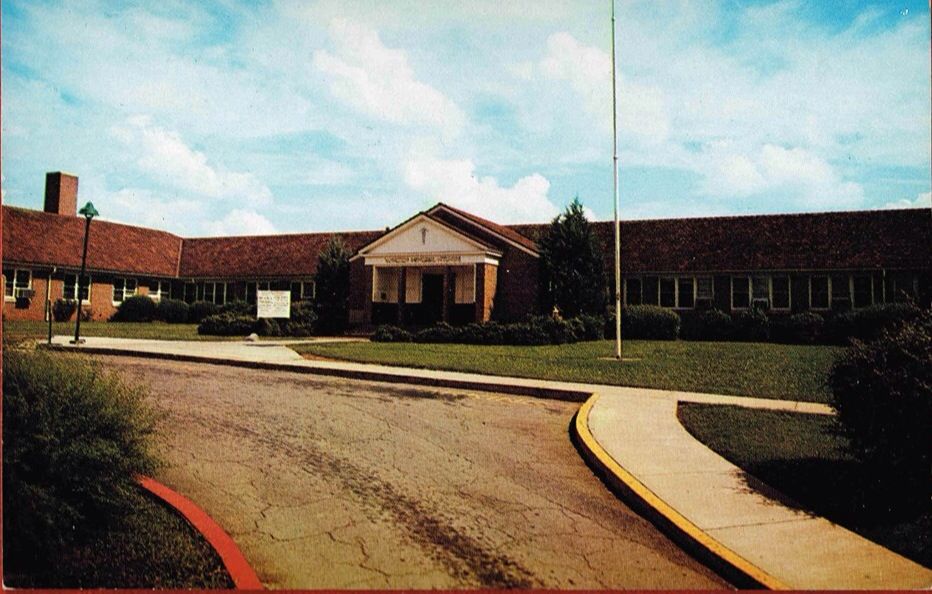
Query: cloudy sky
[[263, 117]]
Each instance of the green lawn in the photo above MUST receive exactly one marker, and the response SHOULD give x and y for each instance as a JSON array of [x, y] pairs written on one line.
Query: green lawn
[[152, 547], [28, 329], [752, 369], [804, 458]]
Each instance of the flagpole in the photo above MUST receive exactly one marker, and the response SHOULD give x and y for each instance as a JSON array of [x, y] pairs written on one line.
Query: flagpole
[[615, 176]]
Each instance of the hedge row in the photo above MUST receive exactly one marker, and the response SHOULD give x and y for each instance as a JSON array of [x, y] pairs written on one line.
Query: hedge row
[[650, 322], [238, 319]]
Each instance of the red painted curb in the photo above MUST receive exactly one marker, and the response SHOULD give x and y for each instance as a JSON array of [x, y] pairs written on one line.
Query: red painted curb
[[239, 569]]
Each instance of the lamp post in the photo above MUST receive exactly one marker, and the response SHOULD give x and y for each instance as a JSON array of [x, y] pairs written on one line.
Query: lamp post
[[89, 213]]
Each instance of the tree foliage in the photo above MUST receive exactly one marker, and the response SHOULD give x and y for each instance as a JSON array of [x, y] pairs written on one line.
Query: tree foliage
[[332, 287], [572, 274]]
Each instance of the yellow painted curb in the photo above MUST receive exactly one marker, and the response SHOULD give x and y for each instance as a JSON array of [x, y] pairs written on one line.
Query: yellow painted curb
[[658, 505]]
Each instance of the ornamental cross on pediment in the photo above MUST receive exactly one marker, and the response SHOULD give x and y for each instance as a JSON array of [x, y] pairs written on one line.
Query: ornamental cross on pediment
[[424, 236]]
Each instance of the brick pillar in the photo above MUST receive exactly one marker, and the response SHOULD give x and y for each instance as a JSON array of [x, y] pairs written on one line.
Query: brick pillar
[[447, 285], [402, 294]]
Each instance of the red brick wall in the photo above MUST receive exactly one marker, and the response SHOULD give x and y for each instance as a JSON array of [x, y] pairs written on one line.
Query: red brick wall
[[516, 289], [486, 283]]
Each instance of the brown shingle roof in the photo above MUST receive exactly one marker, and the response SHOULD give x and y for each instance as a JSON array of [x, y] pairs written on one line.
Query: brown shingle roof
[[262, 256], [506, 232], [35, 237], [820, 241]]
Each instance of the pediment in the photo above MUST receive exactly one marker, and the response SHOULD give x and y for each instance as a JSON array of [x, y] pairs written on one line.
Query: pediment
[[423, 235]]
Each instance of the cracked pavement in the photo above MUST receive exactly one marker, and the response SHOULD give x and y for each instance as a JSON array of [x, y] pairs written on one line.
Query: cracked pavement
[[335, 483]]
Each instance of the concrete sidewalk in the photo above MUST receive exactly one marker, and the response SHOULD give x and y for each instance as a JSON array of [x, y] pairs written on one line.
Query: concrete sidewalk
[[636, 436]]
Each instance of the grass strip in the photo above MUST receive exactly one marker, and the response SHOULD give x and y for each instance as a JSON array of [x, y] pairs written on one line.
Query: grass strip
[[17, 330], [803, 457], [792, 372]]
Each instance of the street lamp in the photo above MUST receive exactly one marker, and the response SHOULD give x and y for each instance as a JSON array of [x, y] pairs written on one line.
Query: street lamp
[[89, 213]]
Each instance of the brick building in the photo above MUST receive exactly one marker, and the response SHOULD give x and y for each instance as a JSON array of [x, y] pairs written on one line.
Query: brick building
[[446, 264]]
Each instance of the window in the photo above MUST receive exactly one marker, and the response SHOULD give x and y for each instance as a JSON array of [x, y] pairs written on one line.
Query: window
[[862, 288], [684, 293], [760, 292], [70, 288], [413, 285], [668, 292], [213, 292], [159, 290], [252, 290], [633, 291], [840, 290], [17, 281], [780, 292], [818, 292], [384, 285], [904, 287], [302, 290], [740, 292], [465, 285], [190, 293], [123, 288], [704, 290]]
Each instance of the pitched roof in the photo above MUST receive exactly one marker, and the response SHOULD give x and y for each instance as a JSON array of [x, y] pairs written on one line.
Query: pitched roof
[[810, 241], [36, 237], [262, 256], [507, 233]]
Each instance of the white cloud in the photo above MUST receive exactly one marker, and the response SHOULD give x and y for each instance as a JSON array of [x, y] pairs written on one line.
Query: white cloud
[[380, 82], [164, 154], [455, 183], [241, 222], [799, 176], [923, 200]]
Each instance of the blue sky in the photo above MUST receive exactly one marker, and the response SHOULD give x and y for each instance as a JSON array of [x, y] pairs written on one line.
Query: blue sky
[[265, 117]]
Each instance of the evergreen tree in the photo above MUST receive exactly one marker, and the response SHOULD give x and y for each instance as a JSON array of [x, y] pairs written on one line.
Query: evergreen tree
[[332, 287], [572, 274]]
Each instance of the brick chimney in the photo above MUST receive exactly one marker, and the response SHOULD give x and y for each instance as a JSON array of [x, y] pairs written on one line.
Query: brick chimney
[[61, 194]]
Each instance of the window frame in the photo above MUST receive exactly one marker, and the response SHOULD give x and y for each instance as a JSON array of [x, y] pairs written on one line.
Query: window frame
[[747, 279], [870, 290], [828, 291], [158, 294], [640, 282], [789, 293], [13, 286], [302, 286], [123, 291], [74, 296]]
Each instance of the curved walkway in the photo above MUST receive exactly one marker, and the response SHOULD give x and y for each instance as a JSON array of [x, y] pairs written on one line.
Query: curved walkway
[[637, 429]]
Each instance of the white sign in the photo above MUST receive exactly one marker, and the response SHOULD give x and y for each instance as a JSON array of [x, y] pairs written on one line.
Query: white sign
[[273, 304]]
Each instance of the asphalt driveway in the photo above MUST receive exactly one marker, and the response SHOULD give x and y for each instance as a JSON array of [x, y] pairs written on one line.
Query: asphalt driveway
[[334, 483]]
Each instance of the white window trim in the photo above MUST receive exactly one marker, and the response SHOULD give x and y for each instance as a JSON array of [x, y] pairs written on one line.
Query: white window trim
[[16, 288], [711, 297], [125, 294], [828, 278], [678, 279], [470, 299], [159, 294], [90, 284], [789, 291], [851, 290], [732, 292]]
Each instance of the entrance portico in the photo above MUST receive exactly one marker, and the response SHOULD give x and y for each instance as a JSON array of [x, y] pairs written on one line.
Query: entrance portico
[[425, 271]]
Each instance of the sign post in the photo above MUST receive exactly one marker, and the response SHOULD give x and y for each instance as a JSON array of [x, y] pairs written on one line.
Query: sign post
[[273, 304]]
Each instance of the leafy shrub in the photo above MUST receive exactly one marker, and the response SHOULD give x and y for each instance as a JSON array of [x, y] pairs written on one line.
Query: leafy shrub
[[882, 391], [267, 327], [440, 332], [648, 322], [303, 320], [801, 328], [173, 311], [200, 310], [226, 324], [526, 333], [868, 323], [556, 330], [387, 333], [751, 325], [590, 327], [138, 308], [239, 308], [63, 309], [74, 439], [709, 324], [473, 334]]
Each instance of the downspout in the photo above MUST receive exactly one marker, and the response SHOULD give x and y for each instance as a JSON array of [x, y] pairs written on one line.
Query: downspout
[[48, 301]]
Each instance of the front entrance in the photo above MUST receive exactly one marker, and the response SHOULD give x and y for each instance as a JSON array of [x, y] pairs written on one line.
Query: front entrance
[[431, 299]]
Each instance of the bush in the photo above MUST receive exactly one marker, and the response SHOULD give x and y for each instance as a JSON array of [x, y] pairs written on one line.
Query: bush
[[590, 327], [226, 324], [239, 308], [74, 438], [440, 332], [386, 333], [525, 333], [172, 311], [200, 310], [709, 324], [303, 320], [267, 327], [648, 322], [556, 330], [751, 325], [868, 323], [63, 309], [138, 308], [801, 328], [882, 391]]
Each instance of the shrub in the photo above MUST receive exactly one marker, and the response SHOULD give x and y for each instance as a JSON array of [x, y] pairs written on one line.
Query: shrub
[[74, 439], [63, 309], [709, 324], [474, 334], [173, 311], [751, 325], [138, 308], [303, 320], [267, 327], [556, 330], [801, 328], [386, 333], [649, 322], [332, 281], [239, 308], [590, 327], [882, 391], [226, 324], [525, 333], [200, 310], [440, 332], [868, 323]]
